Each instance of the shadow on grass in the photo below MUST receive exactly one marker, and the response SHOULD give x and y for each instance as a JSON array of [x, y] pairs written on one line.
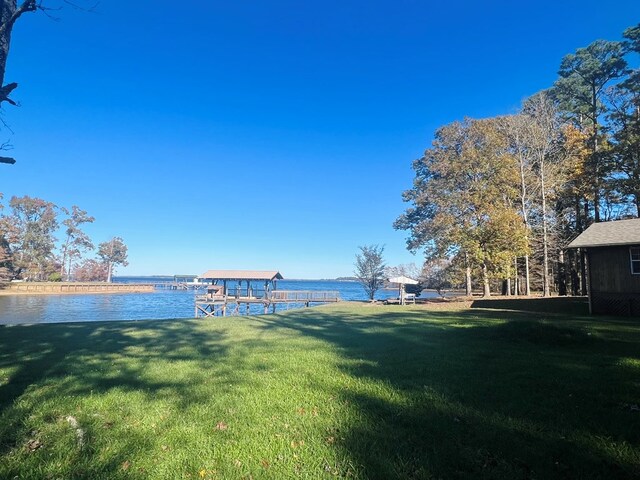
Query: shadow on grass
[[486, 394], [559, 305], [434, 394], [47, 351], [75, 361]]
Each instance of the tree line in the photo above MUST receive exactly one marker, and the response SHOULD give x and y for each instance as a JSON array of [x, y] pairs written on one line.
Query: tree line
[[30, 249], [495, 201]]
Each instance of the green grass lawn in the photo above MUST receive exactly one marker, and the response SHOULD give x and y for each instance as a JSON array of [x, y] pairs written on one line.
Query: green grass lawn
[[349, 391]]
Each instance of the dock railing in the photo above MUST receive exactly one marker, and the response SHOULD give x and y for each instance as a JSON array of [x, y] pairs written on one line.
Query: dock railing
[[304, 296]]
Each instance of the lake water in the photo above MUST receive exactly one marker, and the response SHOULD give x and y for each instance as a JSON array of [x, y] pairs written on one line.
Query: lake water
[[161, 304]]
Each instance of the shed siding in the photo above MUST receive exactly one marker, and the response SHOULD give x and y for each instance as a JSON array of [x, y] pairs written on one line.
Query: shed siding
[[614, 289]]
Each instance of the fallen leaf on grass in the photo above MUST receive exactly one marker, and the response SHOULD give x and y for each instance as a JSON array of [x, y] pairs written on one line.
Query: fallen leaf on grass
[[33, 445], [264, 464], [237, 463], [330, 440], [221, 426], [301, 411], [125, 465], [165, 448]]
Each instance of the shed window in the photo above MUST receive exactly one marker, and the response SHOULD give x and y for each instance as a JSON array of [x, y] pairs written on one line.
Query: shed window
[[635, 260]]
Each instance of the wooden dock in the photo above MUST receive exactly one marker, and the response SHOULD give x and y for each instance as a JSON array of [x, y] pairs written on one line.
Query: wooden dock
[[223, 305]]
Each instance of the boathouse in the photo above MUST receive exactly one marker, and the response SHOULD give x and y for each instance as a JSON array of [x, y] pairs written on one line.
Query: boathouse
[[243, 283], [613, 266], [230, 292]]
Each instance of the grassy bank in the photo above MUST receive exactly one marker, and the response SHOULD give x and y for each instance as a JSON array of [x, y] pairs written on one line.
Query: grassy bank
[[342, 391]]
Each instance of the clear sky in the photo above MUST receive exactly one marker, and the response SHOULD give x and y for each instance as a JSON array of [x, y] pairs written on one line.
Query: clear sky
[[266, 135]]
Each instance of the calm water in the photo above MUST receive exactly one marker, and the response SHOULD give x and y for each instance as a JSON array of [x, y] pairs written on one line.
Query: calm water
[[161, 304]]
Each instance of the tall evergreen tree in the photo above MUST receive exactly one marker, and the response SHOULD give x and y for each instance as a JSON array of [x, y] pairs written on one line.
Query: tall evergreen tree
[[579, 91], [625, 124]]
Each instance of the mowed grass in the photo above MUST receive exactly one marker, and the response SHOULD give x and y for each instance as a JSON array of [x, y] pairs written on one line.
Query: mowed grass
[[349, 391]]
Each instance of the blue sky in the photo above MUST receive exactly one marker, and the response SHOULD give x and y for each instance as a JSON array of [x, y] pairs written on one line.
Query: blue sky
[[260, 135]]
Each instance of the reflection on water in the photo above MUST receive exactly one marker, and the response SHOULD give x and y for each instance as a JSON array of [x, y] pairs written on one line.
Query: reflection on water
[[161, 304]]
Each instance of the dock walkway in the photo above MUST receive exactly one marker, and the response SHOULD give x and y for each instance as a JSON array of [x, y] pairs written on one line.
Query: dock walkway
[[222, 305]]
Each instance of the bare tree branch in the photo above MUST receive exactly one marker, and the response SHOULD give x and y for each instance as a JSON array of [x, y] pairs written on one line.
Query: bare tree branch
[[26, 6], [78, 7]]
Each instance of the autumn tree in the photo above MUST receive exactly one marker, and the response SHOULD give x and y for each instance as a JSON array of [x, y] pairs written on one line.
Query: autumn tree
[[370, 268], [462, 201], [6, 260], [6, 265], [546, 146], [430, 218], [113, 253], [517, 129], [75, 241], [90, 270], [34, 222]]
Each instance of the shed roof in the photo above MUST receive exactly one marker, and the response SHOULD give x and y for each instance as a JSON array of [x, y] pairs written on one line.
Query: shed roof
[[619, 232], [241, 275]]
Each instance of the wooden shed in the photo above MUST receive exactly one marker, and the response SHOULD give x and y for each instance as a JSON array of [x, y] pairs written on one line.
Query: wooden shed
[[613, 266]]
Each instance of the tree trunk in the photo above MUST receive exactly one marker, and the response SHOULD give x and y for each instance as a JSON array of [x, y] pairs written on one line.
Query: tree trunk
[[525, 218], [595, 159], [467, 277], [545, 239], [9, 13], [7, 10], [578, 221], [507, 290], [69, 269], [65, 249], [109, 270], [527, 286], [516, 283], [583, 273], [486, 289], [575, 268], [562, 275]]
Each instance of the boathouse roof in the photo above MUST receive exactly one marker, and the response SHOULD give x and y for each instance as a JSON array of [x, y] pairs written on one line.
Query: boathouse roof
[[619, 232], [242, 275]]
